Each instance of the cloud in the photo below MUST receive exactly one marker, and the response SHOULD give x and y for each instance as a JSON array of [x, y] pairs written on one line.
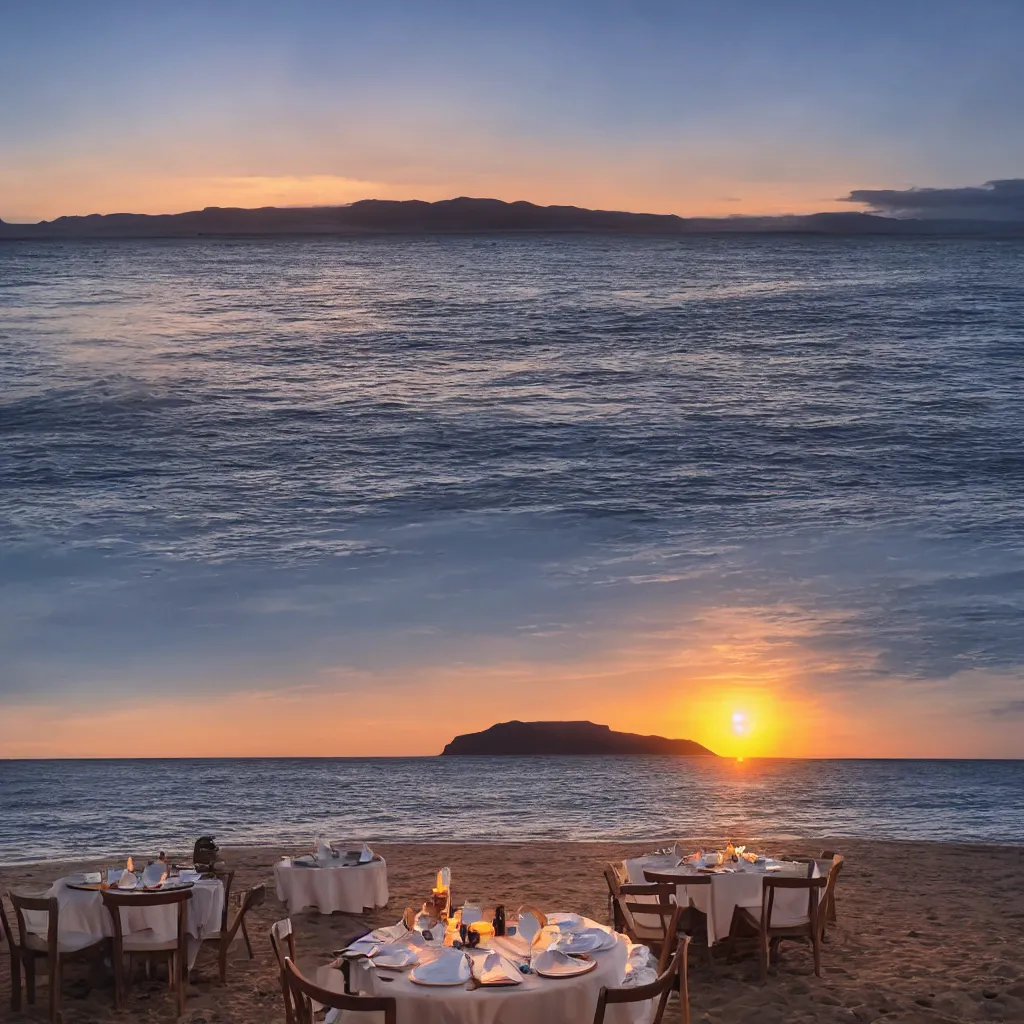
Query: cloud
[[1011, 709], [1002, 199]]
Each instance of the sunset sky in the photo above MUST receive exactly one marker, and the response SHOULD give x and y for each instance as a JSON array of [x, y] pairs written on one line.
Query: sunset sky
[[732, 106], [113, 633]]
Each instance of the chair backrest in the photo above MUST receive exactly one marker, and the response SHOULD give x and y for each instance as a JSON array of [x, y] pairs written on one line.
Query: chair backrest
[[305, 993], [5, 924], [44, 904], [252, 897], [828, 900], [675, 878], [813, 886], [662, 915], [660, 989], [114, 901], [282, 942], [226, 877], [612, 879]]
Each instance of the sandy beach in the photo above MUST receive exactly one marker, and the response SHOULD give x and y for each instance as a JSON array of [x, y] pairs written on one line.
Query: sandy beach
[[926, 932]]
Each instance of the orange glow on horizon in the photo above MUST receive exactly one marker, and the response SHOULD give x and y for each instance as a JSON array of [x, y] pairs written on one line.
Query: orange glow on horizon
[[60, 192]]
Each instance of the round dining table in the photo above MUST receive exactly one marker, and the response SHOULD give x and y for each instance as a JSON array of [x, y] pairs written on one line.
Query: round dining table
[[738, 885], [536, 1000], [331, 887], [82, 911]]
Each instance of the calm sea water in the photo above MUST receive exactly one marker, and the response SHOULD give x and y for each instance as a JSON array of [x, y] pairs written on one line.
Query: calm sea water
[[86, 808], [376, 468]]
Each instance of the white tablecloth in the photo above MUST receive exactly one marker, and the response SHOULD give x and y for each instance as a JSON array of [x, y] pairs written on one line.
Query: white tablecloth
[[728, 890], [83, 911], [350, 890], [537, 1000]]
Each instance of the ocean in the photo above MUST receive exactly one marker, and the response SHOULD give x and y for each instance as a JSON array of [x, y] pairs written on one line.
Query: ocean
[[82, 809], [353, 496]]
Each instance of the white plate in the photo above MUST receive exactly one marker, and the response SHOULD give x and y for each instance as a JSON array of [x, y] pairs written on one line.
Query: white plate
[[551, 965], [421, 974], [566, 922], [395, 958], [590, 941]]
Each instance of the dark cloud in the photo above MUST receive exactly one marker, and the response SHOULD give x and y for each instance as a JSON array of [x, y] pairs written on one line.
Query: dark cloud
[[1011, 709], [995, 200]]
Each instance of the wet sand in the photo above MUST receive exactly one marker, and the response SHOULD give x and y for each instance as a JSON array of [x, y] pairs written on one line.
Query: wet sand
[[926, 933]]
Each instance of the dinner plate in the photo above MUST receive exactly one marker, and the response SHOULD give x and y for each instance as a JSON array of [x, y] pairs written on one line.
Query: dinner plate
[[395, 958], [421, 975], [590, 941], [566, 922], [551, 965]]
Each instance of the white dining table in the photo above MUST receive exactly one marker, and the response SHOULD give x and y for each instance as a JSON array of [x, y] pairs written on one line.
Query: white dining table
[[82, 911], [536, 1000], [332, 887], [737, 886]]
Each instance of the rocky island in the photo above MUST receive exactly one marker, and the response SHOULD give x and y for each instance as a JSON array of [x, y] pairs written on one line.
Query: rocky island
[[525, 739]]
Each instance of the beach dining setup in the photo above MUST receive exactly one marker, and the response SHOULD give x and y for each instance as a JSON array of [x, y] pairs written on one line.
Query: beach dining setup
[[478, 961]]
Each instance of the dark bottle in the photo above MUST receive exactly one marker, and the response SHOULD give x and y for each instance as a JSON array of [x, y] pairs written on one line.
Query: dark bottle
[[499, 920]]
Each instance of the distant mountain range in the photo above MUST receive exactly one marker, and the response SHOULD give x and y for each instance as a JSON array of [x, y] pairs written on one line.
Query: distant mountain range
[[461, 216], [543, 739]]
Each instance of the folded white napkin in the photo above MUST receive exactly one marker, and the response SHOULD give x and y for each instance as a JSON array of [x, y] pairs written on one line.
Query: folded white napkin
[[451, 967], [154, 874], [365, 854], [366, 946], [390, 955], [639, 967], [491, 968], [552, 961], [324, 850], [92, 878], [393, 932], [128, 880]]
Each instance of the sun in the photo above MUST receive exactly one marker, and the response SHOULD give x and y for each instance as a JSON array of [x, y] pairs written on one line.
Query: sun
[[741, 724]]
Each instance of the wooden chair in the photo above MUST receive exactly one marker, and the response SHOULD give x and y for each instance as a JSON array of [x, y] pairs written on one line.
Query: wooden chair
[[837, 862], [305, 993], [145, 943], [649, 915], [282, 942], [614, 912], [246, 900], [660, 989], [52, 949], [693, 922], [758, 922]]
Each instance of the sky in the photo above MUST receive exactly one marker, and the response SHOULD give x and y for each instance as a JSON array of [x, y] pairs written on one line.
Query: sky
[[695, 108]]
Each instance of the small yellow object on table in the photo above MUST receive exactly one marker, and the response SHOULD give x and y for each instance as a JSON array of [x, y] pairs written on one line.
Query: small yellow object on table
[[484, 929]]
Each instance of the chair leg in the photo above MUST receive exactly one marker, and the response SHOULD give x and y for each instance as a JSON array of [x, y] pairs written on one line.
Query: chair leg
[[118, 959], [15, 981], [30, 980], [684, 997], [54, 994], [765, 951], [248, 944], [816, 943], [179, 970], [222, 959]]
